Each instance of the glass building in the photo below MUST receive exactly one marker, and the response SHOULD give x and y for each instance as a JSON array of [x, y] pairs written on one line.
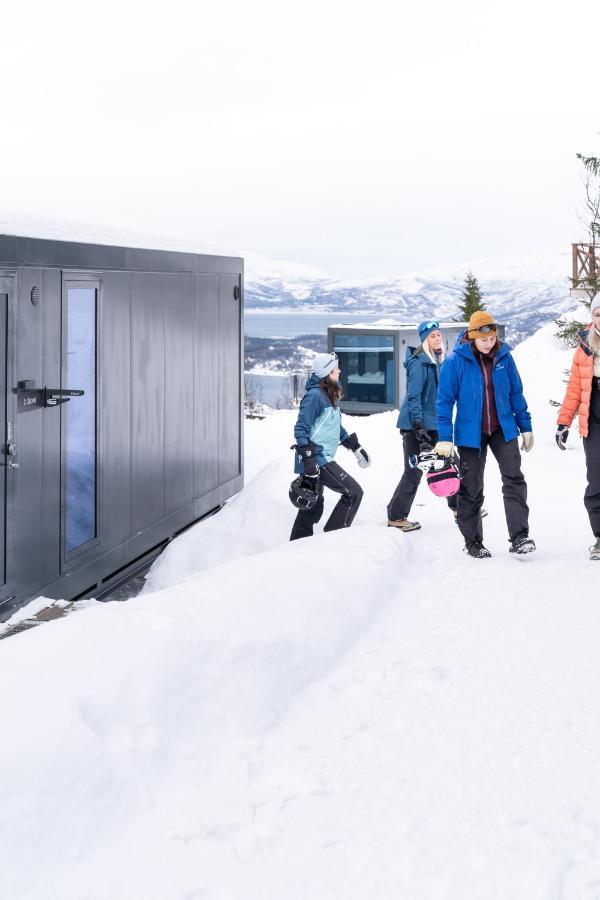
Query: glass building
[[371, 357]]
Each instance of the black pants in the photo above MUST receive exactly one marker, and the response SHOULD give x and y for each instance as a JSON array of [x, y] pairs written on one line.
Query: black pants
[[342, 516], [514, 488], [406, 490], [591, 498]]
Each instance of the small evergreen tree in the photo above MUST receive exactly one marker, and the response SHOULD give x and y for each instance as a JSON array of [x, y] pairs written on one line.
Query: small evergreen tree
[[472, 298]]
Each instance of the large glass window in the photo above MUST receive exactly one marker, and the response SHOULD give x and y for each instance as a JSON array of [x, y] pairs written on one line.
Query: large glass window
[[80, 373], [366, 366]]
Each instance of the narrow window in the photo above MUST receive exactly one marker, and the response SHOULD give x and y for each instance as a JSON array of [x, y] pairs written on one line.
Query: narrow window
[[80, 373]]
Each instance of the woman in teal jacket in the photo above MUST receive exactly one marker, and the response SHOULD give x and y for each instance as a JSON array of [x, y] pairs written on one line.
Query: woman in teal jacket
[[480, 379], [319, 432]]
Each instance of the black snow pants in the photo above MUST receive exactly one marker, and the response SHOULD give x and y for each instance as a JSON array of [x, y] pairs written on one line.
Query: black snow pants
[[591, 498], [342, 516], [406, 490], [514, 487]]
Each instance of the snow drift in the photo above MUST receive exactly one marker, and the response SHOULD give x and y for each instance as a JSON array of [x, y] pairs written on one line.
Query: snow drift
[[361, 714]]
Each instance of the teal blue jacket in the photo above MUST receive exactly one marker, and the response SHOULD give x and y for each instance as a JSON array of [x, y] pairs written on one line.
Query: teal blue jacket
[[420, 400], [318, 423]]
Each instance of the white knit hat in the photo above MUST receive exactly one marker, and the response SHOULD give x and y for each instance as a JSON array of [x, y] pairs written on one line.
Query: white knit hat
[[324, 363], [595, 303]]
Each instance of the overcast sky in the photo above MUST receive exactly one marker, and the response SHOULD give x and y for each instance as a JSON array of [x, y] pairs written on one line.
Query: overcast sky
[[362, 138]]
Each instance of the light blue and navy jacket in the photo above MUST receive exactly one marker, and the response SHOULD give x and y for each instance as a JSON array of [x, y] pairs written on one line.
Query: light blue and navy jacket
[[419, 404], [461, 385], [318, 423]]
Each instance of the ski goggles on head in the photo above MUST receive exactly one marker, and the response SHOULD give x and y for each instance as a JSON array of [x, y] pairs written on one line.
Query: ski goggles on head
[[485, 329], [431, 326]]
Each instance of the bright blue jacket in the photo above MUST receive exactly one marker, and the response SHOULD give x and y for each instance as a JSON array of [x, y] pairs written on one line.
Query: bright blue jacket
[[461, 385], [419, 404], [318, 423]]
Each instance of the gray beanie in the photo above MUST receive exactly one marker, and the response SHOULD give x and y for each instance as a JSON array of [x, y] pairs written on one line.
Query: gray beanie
[[595, 303], [324, 363]]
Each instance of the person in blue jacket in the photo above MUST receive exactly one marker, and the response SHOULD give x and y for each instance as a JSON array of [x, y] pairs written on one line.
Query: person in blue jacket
[[480, 379], [418, 419], [319, 432]]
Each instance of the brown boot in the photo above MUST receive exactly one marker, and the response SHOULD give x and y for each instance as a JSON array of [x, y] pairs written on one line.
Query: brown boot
[[404, 524]]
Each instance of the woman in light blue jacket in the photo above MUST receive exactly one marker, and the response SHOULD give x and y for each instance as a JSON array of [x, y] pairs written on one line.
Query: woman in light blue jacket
[[319, 432]]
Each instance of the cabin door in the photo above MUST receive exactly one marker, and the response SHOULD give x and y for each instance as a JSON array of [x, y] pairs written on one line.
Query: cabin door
[[8, 447]]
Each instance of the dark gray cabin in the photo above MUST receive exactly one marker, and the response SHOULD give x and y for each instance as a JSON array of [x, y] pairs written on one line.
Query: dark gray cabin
[[93, 484]]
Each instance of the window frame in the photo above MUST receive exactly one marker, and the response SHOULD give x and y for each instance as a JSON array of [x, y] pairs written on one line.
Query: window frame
[[71, 559], [377, 406]]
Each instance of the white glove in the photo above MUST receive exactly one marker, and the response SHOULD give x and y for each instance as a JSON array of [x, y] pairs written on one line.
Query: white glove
[[362, 457], [527, 442], [444, 448]]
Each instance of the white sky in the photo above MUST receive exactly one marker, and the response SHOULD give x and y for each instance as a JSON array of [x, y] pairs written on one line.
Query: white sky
[[363, 138]]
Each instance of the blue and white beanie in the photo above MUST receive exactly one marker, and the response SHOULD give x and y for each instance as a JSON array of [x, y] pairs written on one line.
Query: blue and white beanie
[[425, 329], [324, 363]]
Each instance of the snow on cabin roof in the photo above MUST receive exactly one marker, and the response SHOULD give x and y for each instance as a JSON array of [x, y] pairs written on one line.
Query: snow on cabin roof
[[57, 229]]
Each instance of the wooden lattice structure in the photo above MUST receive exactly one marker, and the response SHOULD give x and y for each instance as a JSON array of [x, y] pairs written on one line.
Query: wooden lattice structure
[[586, 259]]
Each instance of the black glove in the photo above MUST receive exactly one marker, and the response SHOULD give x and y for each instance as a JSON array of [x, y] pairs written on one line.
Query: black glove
[[422, 435], [562, 433], [307, 455], [351, 442]]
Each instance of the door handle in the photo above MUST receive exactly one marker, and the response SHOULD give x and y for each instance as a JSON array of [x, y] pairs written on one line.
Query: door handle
[[12, 465]]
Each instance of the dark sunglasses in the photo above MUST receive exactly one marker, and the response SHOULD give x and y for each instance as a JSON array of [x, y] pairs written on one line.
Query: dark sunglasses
[[485, 329]]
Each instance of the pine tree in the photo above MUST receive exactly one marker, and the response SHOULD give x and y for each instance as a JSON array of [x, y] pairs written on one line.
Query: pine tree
[[590, 283], [472, 299]]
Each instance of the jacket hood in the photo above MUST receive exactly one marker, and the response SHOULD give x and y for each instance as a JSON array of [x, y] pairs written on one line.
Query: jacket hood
[[463, 347], [413, 355], [312, 382]]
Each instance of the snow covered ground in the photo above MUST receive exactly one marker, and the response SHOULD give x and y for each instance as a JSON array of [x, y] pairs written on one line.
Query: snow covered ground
[[365, 714]]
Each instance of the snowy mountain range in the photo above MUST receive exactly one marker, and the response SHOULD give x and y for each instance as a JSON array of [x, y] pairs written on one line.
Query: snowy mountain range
[[524, 293]]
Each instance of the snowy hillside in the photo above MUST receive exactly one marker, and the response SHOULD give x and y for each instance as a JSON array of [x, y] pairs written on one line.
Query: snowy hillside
[[364, 714], [524, 293]]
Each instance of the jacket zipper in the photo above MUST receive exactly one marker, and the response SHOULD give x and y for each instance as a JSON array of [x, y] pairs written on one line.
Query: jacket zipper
[[487, 395]]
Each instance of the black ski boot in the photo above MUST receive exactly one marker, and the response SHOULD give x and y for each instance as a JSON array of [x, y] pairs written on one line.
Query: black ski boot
[[477, 550], [522, 544]]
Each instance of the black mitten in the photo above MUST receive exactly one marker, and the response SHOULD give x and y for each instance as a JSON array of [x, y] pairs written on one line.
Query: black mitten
[[351, 442], [562, 433], [307, 455]]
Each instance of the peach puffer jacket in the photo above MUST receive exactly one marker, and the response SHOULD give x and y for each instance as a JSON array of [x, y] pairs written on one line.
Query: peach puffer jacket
[[579, 388]]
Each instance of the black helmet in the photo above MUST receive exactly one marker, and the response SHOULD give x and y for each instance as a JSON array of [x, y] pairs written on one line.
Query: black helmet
[[304, 492]]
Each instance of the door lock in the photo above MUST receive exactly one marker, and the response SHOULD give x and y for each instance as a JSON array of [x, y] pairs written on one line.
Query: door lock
[[11, 449]]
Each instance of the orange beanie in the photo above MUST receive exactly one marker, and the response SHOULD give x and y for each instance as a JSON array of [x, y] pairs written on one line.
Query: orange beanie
[[479, 318]]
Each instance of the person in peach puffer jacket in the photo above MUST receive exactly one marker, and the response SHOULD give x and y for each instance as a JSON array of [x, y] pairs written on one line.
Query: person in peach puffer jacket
[[583, 396]]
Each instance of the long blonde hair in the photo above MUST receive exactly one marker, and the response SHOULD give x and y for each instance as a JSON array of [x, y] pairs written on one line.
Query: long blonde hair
[[426, 349]]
